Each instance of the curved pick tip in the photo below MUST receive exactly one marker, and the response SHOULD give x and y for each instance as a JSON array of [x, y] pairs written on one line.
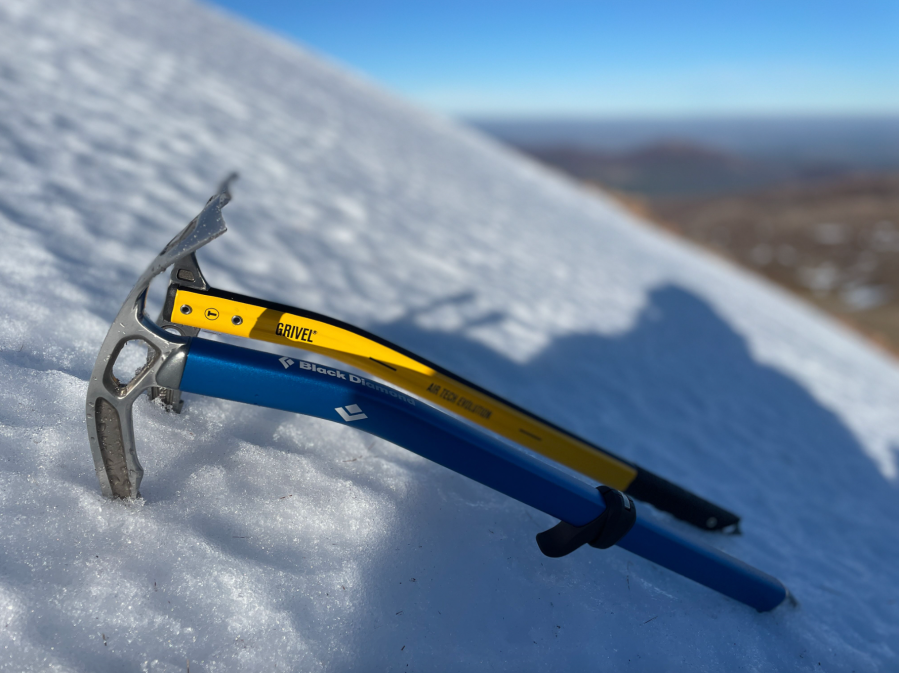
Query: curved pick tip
[[225, 187]]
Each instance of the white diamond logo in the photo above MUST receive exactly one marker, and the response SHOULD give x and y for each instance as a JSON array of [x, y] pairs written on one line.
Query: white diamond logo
[[351, 413], [286, 361]]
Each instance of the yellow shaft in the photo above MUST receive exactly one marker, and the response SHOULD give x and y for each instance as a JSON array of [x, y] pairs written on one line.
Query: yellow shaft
[[256, 322]]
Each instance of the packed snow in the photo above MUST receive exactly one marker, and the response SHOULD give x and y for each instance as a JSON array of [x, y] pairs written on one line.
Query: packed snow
[[272, 542]]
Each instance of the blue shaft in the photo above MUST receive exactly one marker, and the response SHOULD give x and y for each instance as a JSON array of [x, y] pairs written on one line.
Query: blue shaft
[[243, 375]]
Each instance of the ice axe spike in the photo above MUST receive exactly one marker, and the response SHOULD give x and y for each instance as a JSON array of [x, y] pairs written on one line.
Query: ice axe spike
[[109, 401]]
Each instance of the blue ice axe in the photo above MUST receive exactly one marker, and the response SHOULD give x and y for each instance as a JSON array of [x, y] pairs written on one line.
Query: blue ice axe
[[597, 517]]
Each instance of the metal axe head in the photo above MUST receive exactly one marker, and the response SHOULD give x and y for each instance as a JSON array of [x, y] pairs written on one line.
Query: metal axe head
[[109, 401]]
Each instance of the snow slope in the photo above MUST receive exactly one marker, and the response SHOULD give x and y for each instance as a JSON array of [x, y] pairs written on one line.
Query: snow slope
[[272, 542]]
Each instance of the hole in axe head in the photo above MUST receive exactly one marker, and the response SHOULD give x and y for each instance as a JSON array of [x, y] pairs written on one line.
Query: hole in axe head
[[130, 361]]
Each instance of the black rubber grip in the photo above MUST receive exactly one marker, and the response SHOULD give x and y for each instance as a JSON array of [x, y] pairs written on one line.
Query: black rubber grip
[[686, 506], [603, 532]]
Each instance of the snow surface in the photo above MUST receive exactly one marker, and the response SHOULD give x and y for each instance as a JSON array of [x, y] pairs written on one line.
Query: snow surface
[[268, 541]]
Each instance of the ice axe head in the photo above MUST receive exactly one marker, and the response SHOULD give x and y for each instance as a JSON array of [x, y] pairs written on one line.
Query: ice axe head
[[109, 401]]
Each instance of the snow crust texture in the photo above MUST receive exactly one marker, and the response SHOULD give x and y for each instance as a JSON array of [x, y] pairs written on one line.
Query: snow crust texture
[[270, 542]]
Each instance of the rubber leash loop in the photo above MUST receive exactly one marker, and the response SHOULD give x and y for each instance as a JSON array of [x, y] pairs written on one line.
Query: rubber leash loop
[[603, 532]]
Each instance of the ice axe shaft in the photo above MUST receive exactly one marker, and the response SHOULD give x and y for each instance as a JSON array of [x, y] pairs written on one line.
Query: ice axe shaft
[[252, 318], [279, 382]]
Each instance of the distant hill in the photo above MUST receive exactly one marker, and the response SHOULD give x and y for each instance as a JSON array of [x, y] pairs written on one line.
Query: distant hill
[[667, 168], [861, 143]]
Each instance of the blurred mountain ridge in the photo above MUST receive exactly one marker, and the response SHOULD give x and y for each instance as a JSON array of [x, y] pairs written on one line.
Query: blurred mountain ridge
[[860, 142], [813, 207], [677, 167]]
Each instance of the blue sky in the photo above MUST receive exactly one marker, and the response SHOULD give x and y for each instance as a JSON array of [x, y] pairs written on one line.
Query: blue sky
[[521, 58]]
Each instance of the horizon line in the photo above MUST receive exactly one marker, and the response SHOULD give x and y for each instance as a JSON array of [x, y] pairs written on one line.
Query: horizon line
[[699, 116]]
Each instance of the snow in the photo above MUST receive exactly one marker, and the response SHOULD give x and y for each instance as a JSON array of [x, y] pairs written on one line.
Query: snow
[[267, 541]]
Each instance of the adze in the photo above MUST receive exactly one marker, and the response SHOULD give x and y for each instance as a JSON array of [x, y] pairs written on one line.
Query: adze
[[184, 362]]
